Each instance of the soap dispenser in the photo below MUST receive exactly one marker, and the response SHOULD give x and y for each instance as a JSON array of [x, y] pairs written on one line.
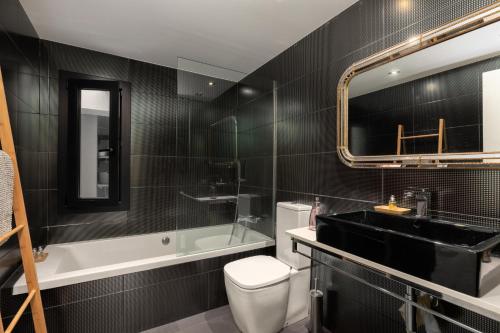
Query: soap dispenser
[[392, 202], [314, 211]]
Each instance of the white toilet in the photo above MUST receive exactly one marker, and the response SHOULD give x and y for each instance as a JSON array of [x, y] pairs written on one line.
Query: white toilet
[[266, 294]]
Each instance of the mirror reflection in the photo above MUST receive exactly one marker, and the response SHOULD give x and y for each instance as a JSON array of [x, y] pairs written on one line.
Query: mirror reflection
[[443, 99], [94, 144]]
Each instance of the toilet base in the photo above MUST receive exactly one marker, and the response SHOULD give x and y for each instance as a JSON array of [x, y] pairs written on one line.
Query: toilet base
[[279, 305], [298, 297], [258, 311]]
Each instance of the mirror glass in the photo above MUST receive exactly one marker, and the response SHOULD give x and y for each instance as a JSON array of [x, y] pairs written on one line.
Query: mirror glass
[[94, 144], [442, 99]]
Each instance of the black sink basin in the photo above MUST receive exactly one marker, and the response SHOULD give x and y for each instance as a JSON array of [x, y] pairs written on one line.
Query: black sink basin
[[446, 253]]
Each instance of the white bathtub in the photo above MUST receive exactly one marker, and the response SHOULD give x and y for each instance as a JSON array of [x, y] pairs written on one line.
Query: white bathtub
[[77, 262]]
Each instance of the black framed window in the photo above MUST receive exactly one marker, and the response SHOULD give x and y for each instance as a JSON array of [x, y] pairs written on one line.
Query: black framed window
[[94, 143]]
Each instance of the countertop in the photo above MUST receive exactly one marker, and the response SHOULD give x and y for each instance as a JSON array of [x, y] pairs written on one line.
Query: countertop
[[487, 305]]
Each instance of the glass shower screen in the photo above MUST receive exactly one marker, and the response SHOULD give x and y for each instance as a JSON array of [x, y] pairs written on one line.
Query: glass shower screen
[[215, 208]]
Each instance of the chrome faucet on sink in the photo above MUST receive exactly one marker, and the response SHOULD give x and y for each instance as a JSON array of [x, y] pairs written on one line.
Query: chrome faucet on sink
[[423, 200]]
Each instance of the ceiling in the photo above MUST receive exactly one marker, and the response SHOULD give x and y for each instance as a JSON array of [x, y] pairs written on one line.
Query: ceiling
[[240, 35], [196, 87]]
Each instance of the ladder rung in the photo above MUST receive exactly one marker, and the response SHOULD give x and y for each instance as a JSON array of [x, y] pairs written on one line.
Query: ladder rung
[[10, 233], [419, 136], [20, 311]]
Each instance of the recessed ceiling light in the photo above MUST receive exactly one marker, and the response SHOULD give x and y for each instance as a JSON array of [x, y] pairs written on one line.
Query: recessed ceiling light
[[247, 91], [394, 72], [211, 83]]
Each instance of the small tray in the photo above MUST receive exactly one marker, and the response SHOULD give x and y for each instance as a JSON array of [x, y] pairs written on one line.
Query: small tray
[[393, 211]]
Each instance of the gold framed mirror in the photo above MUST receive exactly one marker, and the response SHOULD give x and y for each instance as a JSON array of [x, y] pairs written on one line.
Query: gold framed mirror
[[430, 102]]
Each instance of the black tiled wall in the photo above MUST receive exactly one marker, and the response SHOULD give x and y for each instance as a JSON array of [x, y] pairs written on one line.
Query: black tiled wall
[[31, 69], [306, 76], [255, 147], [162, 162], [153, 148], [206, 141], [21, 68], [169, 149], [133, 302]]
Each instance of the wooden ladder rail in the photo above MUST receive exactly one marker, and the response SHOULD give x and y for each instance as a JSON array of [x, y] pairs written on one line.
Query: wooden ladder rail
[[22, 229], [441, 135]]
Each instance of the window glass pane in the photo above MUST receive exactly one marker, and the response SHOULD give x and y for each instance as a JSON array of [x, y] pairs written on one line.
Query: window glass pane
[[94, 144]]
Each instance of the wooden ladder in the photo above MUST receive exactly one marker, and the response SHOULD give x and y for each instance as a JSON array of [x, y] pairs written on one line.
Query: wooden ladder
[[441, 135], [21, 229]]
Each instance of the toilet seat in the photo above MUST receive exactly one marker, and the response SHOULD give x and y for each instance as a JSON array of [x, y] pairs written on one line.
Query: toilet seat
[[256, 288], [257, 272]]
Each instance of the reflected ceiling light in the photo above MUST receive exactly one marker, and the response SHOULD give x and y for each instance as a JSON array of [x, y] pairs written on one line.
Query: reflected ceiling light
[[431, 86], [394, 72], [211, 83], [413, 39], [247, 91], [405, 4]]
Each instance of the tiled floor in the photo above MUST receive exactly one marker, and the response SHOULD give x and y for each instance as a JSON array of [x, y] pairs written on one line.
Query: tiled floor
[[215, 321]]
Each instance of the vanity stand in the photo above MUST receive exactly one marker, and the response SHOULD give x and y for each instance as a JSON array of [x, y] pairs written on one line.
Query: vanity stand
[[487, 305]]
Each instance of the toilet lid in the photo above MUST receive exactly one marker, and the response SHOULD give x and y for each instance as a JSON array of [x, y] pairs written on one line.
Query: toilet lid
[[257, 272]]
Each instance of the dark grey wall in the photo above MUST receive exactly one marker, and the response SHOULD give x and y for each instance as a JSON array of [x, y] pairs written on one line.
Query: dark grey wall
[[168, 148], [153, 147], [255, 147], [163, 159], [194, 173], [307, 75], [21, 69]]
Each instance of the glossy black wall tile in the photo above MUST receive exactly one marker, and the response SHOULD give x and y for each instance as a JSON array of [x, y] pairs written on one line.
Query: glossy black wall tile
[[155, 305], [306, 76], [20, 70], [206, 149], [153, 135], [256, 146]]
